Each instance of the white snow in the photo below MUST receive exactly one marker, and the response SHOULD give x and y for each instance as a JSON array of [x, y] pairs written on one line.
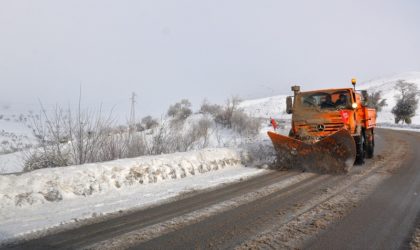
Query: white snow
[[387, 86], [274, 107], [45, 198], [15, 135], [91, 190], [12, 163], [56, 184]]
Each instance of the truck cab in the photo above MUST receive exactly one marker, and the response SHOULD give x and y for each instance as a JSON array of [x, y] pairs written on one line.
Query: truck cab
[[320, 113]]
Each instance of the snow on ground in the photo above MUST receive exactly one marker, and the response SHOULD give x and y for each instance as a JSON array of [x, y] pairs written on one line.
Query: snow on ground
[[46, 198], [387, 86], [12, 163], [49, 197], [15, 135], [56, 184], [274, 107]]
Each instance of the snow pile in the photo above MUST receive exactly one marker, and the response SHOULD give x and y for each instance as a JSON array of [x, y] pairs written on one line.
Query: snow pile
[[56, 184], [387, 85]]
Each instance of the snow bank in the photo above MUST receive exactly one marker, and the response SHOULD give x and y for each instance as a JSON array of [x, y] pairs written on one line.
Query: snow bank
[[56, 184]]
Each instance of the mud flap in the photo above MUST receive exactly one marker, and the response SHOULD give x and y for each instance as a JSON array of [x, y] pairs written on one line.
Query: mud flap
[[334, 154]]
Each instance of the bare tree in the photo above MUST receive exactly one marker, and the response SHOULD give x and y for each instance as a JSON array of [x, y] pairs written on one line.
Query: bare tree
[[407, 102], [224, 117], [211, 109], [376, 101]]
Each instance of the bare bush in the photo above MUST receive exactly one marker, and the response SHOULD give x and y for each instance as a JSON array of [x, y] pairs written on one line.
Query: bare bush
[[67, 138], [148, 122], [180, 110], [244, 124], [211, 109], [160, 141], [45, 159], [184, 138], [374, 100], [203, 129], [407, 102], [196, 136], [231, 116], [224, 116]]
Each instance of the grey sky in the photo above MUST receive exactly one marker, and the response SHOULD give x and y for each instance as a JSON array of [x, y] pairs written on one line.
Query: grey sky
[[168, 50]]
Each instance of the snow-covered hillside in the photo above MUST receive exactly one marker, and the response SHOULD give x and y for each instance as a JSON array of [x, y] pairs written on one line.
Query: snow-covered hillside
[[387, 86], [15, 130], [15, 136], [274, 107]]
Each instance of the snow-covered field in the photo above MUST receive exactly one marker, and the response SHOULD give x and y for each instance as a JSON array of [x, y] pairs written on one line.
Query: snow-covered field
[[15, 136], [274, 107]]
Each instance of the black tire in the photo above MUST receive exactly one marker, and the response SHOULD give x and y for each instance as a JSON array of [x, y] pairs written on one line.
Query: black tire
[[370, 144], [291, 133], [360, 149]]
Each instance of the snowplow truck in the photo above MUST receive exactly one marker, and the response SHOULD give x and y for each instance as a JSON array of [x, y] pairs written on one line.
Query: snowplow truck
[[331, 130]]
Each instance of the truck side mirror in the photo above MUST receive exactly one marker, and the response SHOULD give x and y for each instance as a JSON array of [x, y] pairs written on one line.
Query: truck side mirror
[[289, 105]]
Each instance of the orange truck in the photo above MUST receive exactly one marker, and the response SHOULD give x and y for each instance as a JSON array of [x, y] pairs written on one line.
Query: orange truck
[[331, 130]]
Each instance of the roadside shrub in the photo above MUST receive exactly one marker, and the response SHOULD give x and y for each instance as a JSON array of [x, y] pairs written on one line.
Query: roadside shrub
[[148, 122], [197, 136], [211, 109], [224, 116], [180, 110], [407, 102], [374, 100], [231, 116], [244, 124], [67, 138], [184, 138], [50, 159]]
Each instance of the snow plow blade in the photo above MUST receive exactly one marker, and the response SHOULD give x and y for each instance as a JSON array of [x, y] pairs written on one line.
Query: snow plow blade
[[334, 154]]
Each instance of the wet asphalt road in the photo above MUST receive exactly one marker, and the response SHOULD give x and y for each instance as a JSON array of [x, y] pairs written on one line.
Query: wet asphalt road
[[387, 219]]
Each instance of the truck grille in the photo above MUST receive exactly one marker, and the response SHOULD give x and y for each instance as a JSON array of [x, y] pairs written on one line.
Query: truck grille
[[317, 128]]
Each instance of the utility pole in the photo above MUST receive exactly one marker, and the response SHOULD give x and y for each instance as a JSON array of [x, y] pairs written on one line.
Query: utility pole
[[132, 122]]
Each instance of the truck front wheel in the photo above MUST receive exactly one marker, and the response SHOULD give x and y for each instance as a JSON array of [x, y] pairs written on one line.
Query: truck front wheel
[[370, 143], [360, 149]]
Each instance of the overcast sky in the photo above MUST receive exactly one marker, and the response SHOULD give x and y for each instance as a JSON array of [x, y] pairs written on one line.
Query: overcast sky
[[168, 50]]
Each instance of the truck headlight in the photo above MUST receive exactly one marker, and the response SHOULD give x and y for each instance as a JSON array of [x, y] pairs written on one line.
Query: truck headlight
[[354, 105]]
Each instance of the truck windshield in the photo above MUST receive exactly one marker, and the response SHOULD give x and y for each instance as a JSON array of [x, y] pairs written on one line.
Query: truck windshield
[[326, 100]]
